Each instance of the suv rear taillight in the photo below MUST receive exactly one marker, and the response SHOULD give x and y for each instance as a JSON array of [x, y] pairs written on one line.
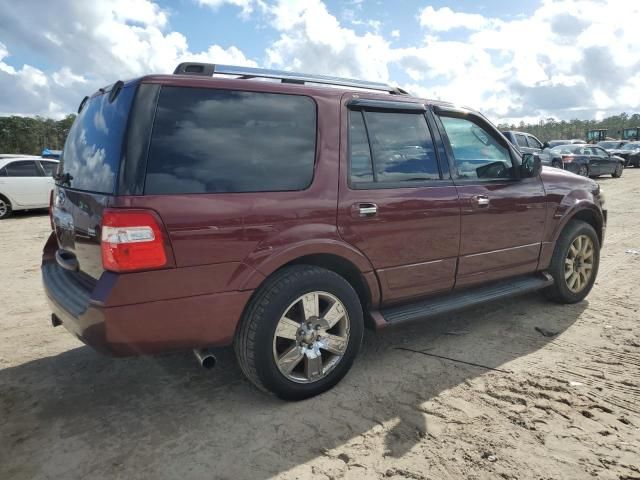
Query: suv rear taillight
[[132, 240], [567, 158]]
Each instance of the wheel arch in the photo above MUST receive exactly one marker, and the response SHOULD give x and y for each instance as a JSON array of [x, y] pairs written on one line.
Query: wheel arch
[[590, 216], [357, 271]]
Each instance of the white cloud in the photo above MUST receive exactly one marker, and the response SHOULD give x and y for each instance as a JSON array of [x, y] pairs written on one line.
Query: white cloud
[[65, 77], [444, 19], [247, 6], [94, 43], [568, 58], [312, 40]]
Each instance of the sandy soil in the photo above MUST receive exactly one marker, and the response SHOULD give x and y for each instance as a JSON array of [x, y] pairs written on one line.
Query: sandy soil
[[524, 405]]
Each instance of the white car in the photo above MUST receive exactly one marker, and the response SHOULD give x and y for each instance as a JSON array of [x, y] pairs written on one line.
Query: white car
[[25, 183]]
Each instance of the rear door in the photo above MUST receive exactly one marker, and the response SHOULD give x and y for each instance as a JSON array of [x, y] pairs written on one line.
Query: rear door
[[89, 169], [22, 180], [503, 215], [397, 204], [597, 163]]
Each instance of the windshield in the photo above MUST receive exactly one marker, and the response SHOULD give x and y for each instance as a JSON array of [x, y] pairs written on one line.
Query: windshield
[[92, 152], [609, 145], [632, 146]]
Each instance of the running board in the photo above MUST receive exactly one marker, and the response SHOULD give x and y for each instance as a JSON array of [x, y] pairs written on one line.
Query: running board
[[464, 299]]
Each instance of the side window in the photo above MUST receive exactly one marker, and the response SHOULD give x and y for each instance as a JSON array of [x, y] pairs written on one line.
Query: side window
[[49, 168], [522, 140], [534, 143], [477, 154], [360, 165], [211, 141], [22, 169], [402, 147]]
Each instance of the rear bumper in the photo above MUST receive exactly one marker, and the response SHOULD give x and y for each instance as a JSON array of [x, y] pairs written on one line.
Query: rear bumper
[[139, 328]]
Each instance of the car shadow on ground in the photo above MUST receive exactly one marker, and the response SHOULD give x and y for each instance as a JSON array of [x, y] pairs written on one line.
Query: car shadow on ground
[[19, 214], [79, 414]]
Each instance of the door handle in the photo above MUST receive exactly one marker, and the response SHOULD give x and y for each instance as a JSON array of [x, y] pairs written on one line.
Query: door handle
[[481, 201], [367, 209]]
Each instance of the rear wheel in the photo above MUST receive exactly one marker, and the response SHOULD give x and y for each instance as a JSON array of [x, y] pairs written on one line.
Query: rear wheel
[[574, 264], [300, 333], [583, 171], [5, 207], [556, 164], [617, 173]]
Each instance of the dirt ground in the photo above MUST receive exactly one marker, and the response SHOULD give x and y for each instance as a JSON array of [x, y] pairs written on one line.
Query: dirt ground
[[516, 389]]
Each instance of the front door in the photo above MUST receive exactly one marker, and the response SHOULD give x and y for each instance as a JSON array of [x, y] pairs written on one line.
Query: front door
[[397, 204], [602, 162], [503, 215]]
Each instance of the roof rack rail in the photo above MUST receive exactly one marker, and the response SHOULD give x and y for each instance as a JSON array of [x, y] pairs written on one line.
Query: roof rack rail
[[210, 69]]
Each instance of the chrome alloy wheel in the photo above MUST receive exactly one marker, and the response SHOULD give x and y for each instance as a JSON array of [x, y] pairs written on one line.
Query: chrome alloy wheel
[[311, 337], [3, 208], [578, 265]]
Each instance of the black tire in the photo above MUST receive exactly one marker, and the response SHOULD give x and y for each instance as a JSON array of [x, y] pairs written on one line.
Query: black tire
[[617, 173], [559, 291], [5, 207], [583, 170], [556, 164], [254, 339]]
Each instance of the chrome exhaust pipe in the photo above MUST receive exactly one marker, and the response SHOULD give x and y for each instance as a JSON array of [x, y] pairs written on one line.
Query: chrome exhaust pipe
[[205, 357]]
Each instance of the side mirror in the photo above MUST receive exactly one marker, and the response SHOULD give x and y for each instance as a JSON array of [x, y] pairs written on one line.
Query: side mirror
[[545, 145], [531, 165]]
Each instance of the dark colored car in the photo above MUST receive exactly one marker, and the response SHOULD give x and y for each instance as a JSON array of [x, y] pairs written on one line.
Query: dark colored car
[[282, 216], [615, 147], [631, 154], [527, 143], [588, 160]]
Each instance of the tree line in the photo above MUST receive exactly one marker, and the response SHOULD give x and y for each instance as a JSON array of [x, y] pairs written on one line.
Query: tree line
[[30, 135], [552, 129]]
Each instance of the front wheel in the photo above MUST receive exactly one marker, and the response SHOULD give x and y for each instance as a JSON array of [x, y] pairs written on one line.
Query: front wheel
[[617, 173], [574, 264], [301, 332]]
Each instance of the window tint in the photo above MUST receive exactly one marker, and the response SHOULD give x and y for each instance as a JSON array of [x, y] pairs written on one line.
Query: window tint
[[402, 147], [361, 168], [22, 169], [93, 148], [49, 168], [533, 142], [207, 141], [477, 154], [600, 152], [522, 140]]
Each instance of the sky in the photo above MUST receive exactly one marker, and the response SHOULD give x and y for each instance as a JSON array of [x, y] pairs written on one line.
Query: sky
[[515, 61]]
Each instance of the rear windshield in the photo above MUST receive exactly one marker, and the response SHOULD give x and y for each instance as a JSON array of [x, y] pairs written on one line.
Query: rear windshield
[[209, 141], [92, 152]]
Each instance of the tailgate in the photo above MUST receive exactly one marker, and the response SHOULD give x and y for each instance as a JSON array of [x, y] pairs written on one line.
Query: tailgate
[[87, 176]]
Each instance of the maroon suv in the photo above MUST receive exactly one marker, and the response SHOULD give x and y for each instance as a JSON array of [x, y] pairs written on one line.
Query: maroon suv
[[282, 212]]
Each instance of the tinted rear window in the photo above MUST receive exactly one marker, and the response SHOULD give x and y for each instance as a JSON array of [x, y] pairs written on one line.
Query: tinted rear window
[[93, 148], [210, 141]]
